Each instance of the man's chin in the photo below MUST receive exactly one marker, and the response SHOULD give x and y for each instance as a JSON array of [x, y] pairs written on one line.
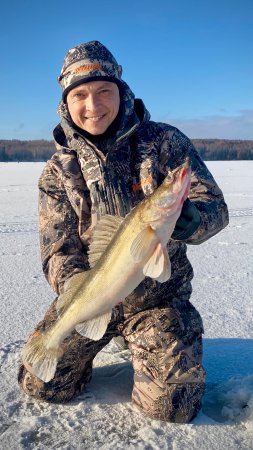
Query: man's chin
[[95, 129], [95, 132]]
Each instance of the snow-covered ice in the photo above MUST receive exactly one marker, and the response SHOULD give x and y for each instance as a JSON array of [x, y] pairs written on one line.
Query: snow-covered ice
[[103, 417]]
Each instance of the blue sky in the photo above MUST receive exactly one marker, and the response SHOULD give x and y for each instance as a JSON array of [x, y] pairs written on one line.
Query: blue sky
[[190, 61]]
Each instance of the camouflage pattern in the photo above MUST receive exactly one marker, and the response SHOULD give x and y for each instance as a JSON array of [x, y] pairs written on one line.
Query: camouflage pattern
[[88, 61], [166, 347], [85, 180]]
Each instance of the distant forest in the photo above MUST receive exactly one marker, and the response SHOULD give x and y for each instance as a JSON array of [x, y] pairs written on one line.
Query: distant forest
[[209, 149]]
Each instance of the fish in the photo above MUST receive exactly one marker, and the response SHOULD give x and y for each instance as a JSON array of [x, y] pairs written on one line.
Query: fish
[[123, 251]]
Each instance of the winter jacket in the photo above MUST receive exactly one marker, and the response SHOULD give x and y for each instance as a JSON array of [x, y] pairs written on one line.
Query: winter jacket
[[83, 181]]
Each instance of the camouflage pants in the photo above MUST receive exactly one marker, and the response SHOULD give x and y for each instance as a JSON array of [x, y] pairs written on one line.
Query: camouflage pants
[[166, 347]]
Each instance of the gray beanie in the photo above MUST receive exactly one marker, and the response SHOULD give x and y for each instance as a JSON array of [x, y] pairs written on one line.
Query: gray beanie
[[88, 62]]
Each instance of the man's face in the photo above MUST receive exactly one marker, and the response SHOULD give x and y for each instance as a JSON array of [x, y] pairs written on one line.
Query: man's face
[[94, 105]]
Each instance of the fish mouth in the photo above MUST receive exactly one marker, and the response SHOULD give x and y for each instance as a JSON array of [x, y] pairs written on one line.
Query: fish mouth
[[180, 182], [178, 173], [185, 170]]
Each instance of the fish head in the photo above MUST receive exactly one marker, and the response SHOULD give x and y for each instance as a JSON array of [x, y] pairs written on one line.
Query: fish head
[[169, 197], [176, 186]]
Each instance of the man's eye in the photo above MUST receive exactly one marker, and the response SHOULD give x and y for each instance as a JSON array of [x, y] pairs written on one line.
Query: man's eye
[[78, 95]]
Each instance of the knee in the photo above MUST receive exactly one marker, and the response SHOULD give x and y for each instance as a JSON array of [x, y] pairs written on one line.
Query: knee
[[36, 388], [55, 391], [177, 403], [183, 402]]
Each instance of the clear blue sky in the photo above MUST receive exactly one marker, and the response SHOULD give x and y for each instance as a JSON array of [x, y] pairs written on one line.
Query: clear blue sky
[[190, 61]]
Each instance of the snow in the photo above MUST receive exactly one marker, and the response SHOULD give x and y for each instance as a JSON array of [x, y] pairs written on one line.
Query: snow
[[103, 416]]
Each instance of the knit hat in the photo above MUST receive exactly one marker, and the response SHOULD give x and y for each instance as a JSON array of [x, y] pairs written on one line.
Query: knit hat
[[88, 62]]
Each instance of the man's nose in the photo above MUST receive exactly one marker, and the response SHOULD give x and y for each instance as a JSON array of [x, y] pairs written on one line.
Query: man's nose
[[92, 102]]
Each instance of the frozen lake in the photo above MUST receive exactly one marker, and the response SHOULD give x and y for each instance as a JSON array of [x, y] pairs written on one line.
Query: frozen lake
[[103, 417]]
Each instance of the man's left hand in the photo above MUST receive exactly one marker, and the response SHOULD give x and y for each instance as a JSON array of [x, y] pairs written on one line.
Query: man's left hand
[[187, 223]]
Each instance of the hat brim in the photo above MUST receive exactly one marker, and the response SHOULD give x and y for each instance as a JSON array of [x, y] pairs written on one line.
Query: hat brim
[[87, 80]]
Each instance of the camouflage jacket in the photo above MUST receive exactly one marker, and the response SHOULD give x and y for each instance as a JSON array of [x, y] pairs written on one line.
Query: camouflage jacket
[[82, 182]]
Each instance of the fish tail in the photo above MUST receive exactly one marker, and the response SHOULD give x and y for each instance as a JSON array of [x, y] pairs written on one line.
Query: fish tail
[[42, 357]]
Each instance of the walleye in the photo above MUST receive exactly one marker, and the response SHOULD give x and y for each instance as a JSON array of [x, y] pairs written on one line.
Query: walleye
[[122, 253]]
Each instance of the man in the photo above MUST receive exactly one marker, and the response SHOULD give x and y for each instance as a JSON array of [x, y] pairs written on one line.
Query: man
[[110, 156]]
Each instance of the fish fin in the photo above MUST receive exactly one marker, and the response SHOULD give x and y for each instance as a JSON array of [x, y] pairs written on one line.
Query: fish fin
[[141, 244], [43, 360], [102, 236], [158, 266], [95, 328], [166, 273], [70, 288]]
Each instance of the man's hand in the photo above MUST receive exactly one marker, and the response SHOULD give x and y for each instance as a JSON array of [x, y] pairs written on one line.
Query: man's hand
[[187, 223]]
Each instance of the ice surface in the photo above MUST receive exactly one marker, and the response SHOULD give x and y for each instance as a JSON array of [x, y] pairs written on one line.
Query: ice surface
[[103, 417]]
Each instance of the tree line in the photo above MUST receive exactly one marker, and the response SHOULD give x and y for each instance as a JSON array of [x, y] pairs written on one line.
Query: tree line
[[209, 149], [34, 150], [224, 149]]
